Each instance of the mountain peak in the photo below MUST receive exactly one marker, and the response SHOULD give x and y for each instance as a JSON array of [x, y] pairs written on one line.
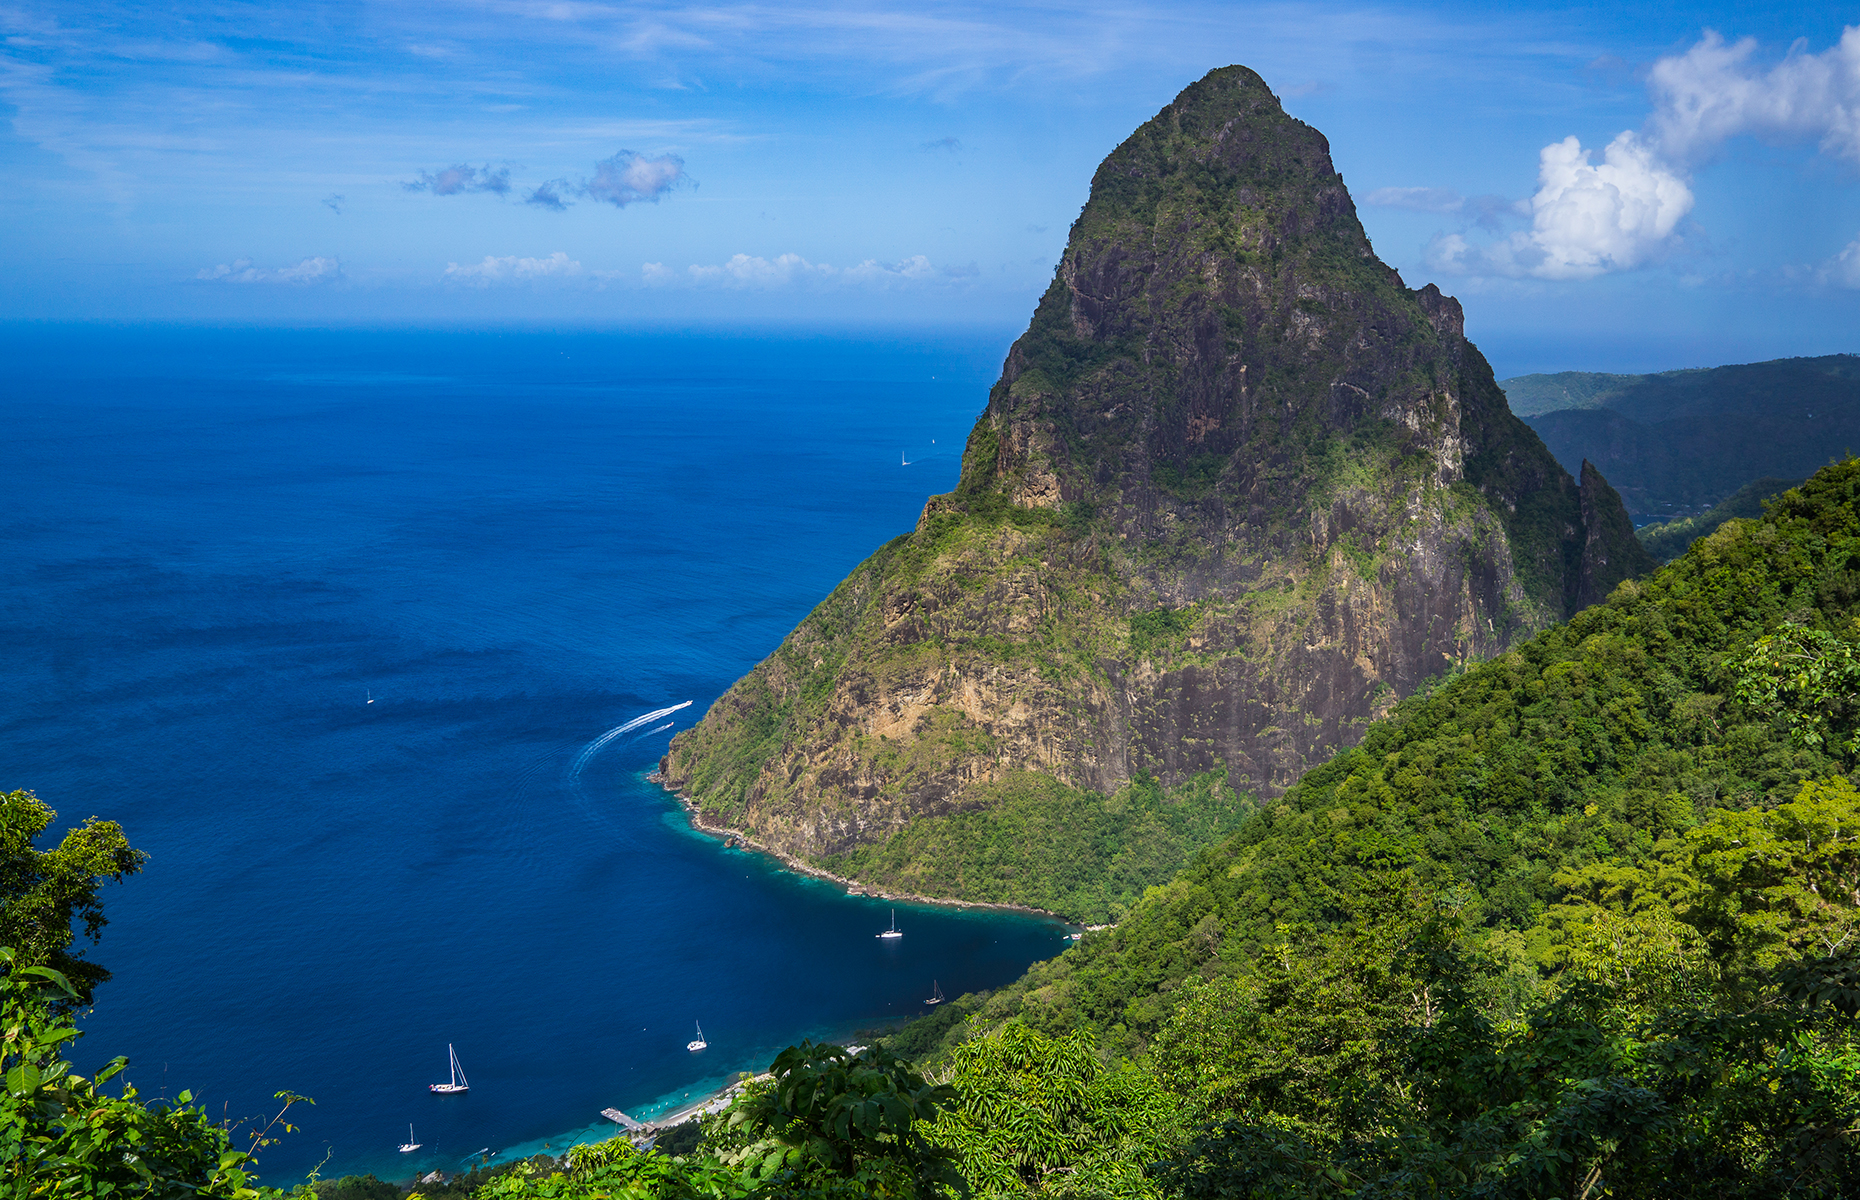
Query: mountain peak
[[1237, 490]]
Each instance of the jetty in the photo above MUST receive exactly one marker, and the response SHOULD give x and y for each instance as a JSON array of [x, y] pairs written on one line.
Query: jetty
[[620, 1118]]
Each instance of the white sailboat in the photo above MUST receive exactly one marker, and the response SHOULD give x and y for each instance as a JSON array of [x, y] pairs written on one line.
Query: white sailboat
[[697, 1043], [411, 1145], [893, 932], [371, 696], [458, 1083], [936, 993]]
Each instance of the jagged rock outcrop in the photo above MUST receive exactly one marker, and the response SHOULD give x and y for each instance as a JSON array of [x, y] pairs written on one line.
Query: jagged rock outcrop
[[1237, 490]]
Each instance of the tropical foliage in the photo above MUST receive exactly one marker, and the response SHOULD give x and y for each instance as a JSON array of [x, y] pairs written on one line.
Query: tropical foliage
[[63, 1135], [1042, 1116], [46, 895], [1035, 841]]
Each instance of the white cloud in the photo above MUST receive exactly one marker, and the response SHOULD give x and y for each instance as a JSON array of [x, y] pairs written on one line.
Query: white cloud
[[511, 269], [788, 270], [1587, 219], [1713, 92], [310, 270], [744, 270], [627, 178], [1845, 269]]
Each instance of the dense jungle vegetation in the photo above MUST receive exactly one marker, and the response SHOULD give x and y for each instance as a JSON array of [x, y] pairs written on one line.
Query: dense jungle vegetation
[[1033, 840], [1577, 923]]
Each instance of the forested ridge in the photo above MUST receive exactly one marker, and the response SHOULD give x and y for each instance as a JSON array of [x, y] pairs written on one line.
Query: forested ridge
[[1535, 789], [1578, 922]]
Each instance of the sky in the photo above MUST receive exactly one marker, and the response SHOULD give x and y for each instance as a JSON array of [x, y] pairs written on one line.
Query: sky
[[1615, 187]]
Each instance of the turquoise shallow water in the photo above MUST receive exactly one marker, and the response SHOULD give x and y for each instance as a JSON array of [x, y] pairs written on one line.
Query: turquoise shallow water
[[221, 544]]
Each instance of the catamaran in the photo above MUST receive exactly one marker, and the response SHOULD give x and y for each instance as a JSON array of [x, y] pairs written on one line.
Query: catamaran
[[893, 931], [936, 993], [697, 1043], [411, 1145], [458, 1083]]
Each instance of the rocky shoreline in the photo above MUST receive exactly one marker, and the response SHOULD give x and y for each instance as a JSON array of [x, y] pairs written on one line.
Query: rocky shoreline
[[853, 886]]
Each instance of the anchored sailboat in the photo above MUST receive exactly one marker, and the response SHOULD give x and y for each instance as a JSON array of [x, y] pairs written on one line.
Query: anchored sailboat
[[936, 993], [411, 1145], [893, 931], [697, 1043], [458, 1083]]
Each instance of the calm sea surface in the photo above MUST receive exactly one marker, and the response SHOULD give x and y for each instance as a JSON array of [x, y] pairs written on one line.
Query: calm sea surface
[[219, 545]]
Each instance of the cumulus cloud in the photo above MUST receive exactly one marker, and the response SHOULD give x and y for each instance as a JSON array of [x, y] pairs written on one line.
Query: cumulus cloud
[[628, 178], [511, 269], [1587, 219], [310, 270], [1714, 92], [460, 178], [789, 270]]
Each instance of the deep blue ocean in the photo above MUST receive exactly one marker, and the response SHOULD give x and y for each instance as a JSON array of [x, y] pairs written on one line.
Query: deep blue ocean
[[220, 544]]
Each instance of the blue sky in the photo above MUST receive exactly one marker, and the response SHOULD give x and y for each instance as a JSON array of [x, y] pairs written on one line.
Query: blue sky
[[583, 161]]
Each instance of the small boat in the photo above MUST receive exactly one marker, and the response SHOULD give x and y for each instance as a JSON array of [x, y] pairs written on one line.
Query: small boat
[[903, 461], [458, 1083], [411, 1145], [936, 993], [371, 696], [697, 1043], [893, 931]]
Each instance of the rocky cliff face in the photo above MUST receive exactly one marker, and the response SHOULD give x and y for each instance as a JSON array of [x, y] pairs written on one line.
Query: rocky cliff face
[[1237, 491]]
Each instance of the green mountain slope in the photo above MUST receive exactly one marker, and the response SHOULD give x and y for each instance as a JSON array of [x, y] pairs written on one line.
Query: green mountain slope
[[1676, 443], [1531, 790], [1237, 490]]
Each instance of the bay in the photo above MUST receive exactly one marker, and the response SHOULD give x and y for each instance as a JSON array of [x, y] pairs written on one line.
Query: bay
[[334, 622]]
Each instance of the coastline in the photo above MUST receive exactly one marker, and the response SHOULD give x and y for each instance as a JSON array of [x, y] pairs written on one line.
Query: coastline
[[853, 886]]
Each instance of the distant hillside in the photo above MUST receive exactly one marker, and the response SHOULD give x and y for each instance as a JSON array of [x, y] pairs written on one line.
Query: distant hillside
[[1668, 541], [1530, 395], [1676, 443]]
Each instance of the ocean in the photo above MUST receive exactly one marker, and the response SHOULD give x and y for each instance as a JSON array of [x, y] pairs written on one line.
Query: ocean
[[354, 632]]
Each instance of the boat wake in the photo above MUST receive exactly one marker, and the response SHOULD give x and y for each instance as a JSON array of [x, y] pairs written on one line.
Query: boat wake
[[601, 814], [594, 747]]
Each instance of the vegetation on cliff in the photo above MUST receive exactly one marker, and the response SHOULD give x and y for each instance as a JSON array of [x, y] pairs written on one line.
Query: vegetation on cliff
[[1032, 840], [1237, 490]]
